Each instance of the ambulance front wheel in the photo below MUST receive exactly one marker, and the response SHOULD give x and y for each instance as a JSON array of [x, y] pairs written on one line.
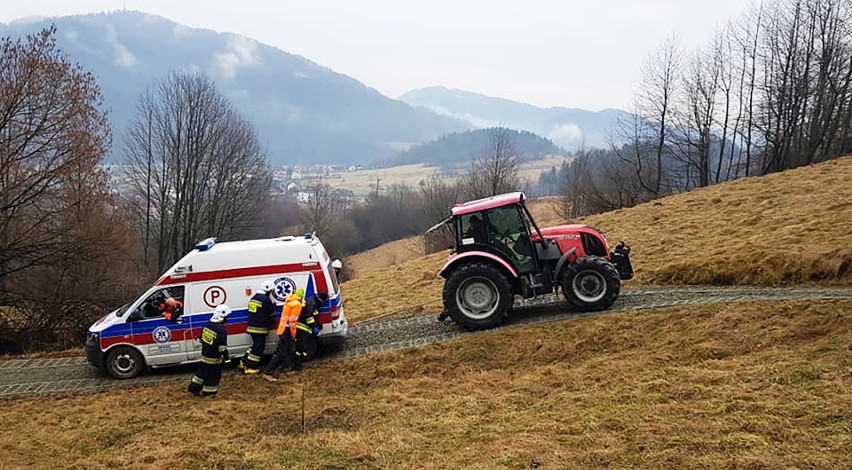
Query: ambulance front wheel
[[124, 362]]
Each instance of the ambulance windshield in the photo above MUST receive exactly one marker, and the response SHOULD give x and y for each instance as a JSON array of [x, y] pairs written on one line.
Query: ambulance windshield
[[122, 310]]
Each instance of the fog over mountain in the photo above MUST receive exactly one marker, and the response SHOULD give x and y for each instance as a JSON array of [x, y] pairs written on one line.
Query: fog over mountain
[[303, 112], [570, 128]]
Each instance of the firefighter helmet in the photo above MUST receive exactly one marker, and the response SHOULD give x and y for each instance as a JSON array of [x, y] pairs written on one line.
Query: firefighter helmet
[[267, 286], [220, 313]]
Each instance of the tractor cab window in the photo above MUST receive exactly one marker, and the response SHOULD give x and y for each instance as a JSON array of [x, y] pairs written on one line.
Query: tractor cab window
[[472, 229], [510, 235]]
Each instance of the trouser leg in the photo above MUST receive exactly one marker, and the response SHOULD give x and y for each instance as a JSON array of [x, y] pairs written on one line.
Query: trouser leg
[[280, 355], [287, 363], [212, 374], [301, 352], [197, 382], [252, 357]]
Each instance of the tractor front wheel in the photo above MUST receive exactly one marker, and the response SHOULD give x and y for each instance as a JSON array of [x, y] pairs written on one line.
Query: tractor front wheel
[[591, 283], [477, 296]]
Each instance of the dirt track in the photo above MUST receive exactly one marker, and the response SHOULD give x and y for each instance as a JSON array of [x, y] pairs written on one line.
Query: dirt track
[[71, 375]]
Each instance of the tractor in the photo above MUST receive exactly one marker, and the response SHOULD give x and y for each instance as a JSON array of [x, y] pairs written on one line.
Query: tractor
[[499, 252]]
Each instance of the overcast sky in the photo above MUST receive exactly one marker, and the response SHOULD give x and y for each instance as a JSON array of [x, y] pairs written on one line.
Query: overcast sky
[[573, 53]]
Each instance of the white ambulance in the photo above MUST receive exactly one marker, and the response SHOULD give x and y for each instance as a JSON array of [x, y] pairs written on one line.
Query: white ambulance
[[136, 336]]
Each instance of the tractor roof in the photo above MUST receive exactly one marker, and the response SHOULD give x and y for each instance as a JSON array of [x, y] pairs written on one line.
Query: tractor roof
[[488, 203]]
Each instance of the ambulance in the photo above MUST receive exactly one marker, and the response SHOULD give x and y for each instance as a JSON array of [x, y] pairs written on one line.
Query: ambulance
[[136, 337]]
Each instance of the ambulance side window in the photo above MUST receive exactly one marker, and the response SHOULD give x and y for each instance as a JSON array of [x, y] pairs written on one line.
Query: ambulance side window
[[335, 284], [151, 306]]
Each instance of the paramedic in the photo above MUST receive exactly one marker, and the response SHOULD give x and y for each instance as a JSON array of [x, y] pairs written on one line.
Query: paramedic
[[172, 310], [307, 326], [261, 311], [283, 357], [214, 352]]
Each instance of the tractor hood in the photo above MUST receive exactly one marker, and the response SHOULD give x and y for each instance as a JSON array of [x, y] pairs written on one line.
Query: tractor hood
[[567, 232]]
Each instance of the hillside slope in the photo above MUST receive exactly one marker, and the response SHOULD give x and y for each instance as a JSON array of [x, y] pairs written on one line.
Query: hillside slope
[[784, 228], [741, 386]]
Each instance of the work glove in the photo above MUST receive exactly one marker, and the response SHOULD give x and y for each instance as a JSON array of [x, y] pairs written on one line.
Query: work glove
[[315, 330]]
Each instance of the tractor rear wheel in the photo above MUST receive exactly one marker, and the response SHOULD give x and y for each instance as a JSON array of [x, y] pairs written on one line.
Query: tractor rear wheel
[[591, 283], [477, 295]]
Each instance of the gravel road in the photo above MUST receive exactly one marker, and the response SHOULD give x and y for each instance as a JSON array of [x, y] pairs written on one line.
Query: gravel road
[[71, 375]]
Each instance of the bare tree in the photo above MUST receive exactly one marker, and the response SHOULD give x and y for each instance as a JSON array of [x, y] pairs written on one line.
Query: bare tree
[[51, 130], [496, 171], [321, 209], [64, 236], [658, 85], [196, 167]]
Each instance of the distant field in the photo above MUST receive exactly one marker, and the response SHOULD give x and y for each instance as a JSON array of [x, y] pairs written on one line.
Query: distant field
[[753, 386], [786, 228], [362, 182]]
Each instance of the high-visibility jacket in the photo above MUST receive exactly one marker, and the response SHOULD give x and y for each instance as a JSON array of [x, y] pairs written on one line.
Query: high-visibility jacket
[[172, 314], [290, 315]]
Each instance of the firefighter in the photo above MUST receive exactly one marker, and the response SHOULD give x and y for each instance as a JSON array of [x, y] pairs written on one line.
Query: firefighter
[[337, 265], [261, 311], [307, 326], [214, 353], [284, 354], [172, 309]]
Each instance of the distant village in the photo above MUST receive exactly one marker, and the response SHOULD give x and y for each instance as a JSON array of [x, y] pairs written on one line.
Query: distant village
[[288, 182], [295, 182]]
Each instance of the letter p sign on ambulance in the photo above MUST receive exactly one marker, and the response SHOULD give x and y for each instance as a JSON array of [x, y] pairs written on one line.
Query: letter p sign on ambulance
[[214, 295]]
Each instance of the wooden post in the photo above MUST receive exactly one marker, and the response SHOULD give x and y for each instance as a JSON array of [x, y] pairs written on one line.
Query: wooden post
[[303, 408]]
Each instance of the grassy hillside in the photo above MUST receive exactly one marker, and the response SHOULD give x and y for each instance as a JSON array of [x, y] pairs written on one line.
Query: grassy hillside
[[738, 386], [786, 228]]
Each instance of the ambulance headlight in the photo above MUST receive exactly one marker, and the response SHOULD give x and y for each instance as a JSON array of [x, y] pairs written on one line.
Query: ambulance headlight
[[92, 337]]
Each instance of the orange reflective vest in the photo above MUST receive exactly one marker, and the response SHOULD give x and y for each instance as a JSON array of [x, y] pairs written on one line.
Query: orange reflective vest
[[172, 314], [290, 315]]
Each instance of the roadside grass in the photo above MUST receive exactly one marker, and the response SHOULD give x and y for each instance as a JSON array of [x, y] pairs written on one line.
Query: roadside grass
[[787, 228], [756, 385]]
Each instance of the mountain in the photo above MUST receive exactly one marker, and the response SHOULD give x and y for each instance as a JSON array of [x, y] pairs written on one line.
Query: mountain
[[462, 147], [570, 128], [303, 112]]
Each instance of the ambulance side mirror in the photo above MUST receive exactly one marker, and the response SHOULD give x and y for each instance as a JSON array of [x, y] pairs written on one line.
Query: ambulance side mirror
[[134, 316]]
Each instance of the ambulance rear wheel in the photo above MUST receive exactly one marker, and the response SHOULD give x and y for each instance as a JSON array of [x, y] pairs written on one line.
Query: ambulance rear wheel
[[124, 362]]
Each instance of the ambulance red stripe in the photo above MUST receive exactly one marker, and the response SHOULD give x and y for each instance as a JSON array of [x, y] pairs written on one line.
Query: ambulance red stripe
[[239, 272]]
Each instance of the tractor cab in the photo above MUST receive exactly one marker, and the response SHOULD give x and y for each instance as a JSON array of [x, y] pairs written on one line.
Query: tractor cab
[[500, 252], [504, 230]]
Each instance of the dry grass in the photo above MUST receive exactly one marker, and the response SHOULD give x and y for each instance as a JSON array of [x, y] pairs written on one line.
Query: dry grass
[[395, 287], [739, 386], [785, 228]]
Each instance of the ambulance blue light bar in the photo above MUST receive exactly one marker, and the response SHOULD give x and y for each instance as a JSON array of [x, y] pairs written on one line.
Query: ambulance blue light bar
[[205, 245]]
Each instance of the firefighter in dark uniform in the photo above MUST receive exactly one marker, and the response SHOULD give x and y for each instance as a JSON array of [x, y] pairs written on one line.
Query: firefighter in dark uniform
[[307, 326], [214, 352], [261, 311]]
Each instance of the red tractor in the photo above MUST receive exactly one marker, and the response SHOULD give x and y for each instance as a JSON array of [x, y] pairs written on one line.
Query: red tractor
[[500, 252]]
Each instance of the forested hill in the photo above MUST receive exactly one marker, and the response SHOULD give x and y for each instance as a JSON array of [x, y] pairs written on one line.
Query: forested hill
[[465, 146]]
